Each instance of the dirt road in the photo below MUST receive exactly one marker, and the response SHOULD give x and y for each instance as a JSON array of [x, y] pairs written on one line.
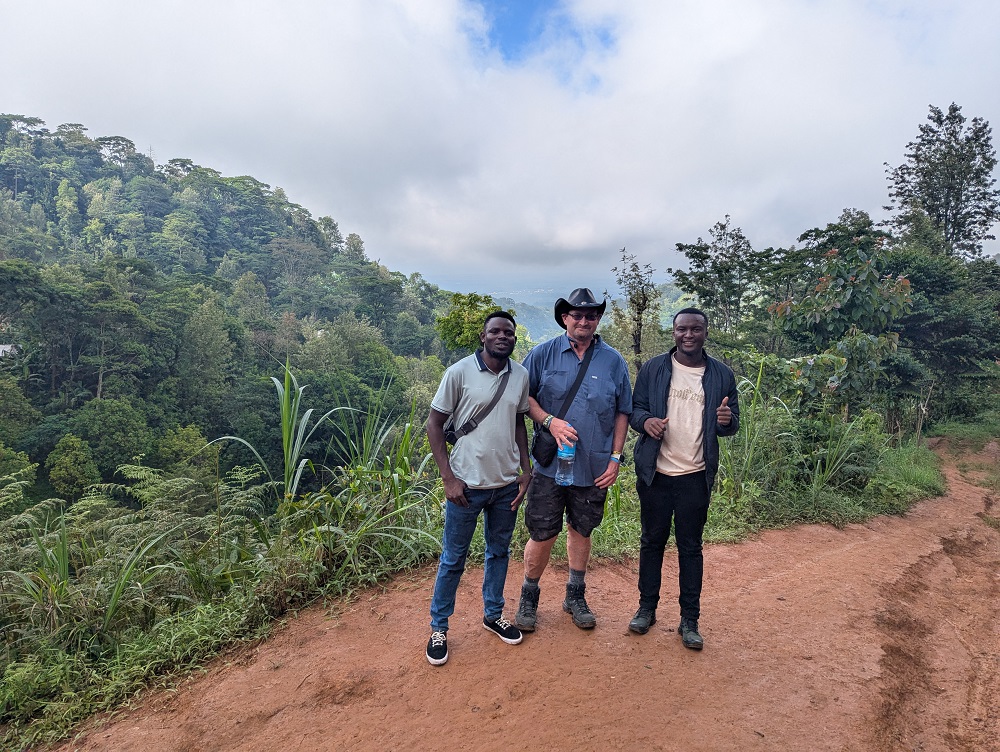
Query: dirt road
[[883, 636]]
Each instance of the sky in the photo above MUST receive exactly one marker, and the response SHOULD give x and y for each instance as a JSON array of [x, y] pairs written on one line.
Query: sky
[[510, 146]]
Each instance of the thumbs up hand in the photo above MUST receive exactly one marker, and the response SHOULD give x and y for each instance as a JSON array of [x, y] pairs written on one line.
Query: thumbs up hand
[[723, 415]]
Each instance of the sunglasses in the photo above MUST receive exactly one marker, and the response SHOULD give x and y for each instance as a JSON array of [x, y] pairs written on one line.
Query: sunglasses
[[577, 316]]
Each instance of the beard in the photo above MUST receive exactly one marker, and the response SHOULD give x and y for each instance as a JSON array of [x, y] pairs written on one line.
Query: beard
[[497, 354]]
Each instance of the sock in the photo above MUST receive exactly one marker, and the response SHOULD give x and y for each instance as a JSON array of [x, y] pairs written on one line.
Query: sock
[[576, 576], [530, 583]]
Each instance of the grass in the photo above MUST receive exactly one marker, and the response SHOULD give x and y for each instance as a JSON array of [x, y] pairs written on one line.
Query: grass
[[98, 600], [964, 435]]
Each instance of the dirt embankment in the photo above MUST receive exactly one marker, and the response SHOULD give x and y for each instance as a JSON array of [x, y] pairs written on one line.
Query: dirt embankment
[[883, 636]]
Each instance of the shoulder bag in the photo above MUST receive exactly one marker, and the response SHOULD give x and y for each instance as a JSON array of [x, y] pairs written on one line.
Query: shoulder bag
[[452, 435], [543, 445]]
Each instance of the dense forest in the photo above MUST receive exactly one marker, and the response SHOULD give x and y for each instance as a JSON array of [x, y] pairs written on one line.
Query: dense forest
[[144, 306], [211, 403]]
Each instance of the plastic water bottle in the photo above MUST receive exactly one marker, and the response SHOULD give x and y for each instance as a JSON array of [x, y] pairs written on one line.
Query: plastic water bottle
[[564, 467]]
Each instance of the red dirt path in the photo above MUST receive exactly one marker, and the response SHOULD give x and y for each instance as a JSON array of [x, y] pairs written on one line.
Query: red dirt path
[[883, 636]]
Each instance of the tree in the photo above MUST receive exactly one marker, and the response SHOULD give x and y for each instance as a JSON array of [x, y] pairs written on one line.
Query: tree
[[204, 361], [68, 211], [17, 415], [115, 431], [354, 248], [724, 274], [949, 176], [847, 320], [71, 467], [182, 240], [460, 326], [642, 301]]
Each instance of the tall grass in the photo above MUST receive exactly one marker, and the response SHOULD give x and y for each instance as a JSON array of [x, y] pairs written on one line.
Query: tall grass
[[295, 436], [137, 580]]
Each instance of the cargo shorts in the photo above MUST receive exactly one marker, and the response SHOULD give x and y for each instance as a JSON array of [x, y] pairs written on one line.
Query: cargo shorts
[[547, 502]]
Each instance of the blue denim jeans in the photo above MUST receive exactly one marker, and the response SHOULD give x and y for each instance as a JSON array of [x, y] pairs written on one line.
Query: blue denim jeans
[[459, 525]]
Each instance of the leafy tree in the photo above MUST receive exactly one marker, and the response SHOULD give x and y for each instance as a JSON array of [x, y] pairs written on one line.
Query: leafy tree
[[71, 467], [68, 210], [20, 238], [115, 331], [204, 362], [251, 306], [354, 248], [948, 175], [725, 275], [115, 431], [642, 302], [950, 339], [849, 314], [461, 324], [148, 196], [183, 239], [331, 233], [17, 473], [17, 414], [12, 463]]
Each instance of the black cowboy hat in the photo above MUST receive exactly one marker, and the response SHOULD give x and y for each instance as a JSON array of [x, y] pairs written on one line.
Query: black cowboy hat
[[581, 298]]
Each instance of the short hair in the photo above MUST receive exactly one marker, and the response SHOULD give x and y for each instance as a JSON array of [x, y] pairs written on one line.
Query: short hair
[[498, 314], [695, 311]]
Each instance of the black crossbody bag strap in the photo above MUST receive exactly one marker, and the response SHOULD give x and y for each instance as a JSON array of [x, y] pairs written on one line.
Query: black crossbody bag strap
[[475, 420], [579, 380]]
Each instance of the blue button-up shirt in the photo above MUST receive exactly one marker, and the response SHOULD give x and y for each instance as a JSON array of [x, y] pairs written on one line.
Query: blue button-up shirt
[[605, 392]]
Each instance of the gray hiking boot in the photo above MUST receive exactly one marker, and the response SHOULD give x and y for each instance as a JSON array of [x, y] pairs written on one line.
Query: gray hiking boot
[[576, 605], [644, 618], [527, 608], [688, 630]]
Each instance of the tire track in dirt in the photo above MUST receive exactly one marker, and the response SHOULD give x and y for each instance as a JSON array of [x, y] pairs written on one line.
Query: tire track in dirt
[[940, 670]]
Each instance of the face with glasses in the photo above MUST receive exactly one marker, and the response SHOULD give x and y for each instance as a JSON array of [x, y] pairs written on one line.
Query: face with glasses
[[581, 324]]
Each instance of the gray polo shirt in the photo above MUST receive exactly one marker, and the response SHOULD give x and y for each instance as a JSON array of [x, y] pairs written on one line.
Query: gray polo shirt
[[488, 456]]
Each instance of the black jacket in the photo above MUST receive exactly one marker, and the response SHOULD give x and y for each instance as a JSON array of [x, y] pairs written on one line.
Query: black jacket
[[649, 400]]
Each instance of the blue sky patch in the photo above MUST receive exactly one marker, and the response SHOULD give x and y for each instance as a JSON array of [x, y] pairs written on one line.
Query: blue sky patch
[[520, 28]]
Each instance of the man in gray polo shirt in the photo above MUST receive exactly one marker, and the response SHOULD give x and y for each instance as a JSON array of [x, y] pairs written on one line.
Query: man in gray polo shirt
[[487, 471]]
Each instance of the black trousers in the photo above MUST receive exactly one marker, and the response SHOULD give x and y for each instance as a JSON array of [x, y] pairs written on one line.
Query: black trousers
[[681, 501]]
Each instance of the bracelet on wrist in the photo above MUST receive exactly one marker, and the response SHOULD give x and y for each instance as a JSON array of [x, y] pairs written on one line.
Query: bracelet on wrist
[[548, 420], [616, 457]]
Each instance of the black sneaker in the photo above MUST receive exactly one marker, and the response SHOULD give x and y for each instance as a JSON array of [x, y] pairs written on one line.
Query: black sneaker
[[688, 630], [437, 649], [527, 608], [504, 630], [576, 605], [644, 618]]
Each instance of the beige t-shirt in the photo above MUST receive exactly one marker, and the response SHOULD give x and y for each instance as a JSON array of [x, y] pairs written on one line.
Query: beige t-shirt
[[682, 450]]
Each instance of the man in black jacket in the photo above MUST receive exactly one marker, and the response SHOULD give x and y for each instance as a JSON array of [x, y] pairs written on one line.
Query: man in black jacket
[[683, 401]]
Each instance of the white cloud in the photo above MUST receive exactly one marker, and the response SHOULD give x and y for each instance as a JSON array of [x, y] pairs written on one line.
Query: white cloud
[[393, 117]]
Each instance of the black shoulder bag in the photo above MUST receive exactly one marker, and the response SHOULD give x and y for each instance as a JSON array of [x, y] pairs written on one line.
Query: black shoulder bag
[[452, 435], [543, 445]]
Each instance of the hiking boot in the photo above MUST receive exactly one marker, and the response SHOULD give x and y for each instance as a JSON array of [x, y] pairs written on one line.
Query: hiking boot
[[504, 630], [576, 605], [644, 618], [688, 630], [527, 608], [437, 649]]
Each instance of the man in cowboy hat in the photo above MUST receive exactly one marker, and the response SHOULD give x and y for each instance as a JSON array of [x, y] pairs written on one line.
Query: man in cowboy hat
[[596, 422]]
